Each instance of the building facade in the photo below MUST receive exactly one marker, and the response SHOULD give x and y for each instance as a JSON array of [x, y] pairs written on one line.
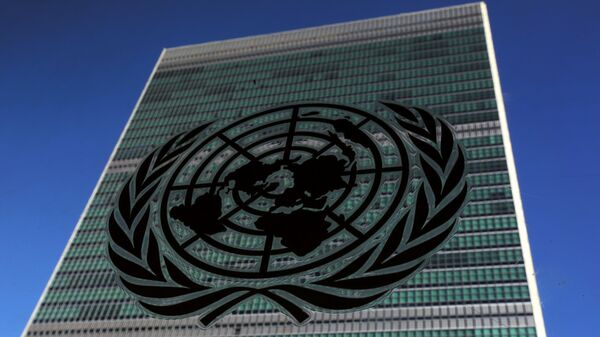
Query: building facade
[[482, 283]]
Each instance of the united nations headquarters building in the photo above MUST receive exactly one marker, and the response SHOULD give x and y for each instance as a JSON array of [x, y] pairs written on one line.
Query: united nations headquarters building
[[348, 180]]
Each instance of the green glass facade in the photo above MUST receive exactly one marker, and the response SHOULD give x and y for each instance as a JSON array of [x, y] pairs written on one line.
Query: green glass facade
[[480, 284]]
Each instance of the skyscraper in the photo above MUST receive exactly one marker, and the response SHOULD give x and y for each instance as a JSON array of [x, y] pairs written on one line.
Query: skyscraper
[[481, 284]]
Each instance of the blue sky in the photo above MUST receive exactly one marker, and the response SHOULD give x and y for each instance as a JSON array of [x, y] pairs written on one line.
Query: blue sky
[[71, 72]]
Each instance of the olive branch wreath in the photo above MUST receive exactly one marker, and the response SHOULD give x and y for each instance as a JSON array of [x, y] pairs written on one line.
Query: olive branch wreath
[[165, 290]]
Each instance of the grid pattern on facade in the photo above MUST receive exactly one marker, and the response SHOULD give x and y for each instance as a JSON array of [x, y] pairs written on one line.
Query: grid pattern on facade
[[476, 286]]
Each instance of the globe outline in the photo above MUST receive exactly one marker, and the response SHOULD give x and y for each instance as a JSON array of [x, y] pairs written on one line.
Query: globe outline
[[399, 196]]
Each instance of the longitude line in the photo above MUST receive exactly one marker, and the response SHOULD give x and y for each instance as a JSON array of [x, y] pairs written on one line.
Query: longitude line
[[237, 147], [264, 262], [191, 240], [290, 137], [352, 230]]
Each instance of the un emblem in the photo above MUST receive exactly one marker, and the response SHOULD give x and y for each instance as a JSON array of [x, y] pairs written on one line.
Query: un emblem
[[313, 206]]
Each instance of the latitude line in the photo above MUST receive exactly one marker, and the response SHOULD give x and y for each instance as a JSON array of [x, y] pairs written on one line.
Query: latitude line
[[194, 186], [264, 262], [332, 143], [351, 229], [290, 137], [374, 170], [237, 147], [222, 219]]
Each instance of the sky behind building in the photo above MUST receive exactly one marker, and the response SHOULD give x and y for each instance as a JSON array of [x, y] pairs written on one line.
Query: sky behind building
[[71, 73]]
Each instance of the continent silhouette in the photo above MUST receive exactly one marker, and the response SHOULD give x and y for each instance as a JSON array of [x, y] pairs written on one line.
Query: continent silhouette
[[301, 231], [202, 216], [313, 179], [252, 177], [351, 132]]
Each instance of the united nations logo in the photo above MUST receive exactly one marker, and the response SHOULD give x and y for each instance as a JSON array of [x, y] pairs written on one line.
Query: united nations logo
[[313, 206]]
